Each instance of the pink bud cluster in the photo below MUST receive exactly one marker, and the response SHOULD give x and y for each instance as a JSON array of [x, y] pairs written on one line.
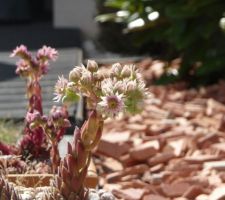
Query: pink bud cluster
[[52, 126], [33, 66]]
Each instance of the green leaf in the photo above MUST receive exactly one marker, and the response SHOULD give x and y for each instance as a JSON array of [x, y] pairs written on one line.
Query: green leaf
[[109, 17]]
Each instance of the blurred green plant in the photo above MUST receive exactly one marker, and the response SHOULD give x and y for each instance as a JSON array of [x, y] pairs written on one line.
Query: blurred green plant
[[10, 131], [191, 29]]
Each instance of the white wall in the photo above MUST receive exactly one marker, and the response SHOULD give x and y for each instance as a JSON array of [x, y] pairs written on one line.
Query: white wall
[[76, 13]]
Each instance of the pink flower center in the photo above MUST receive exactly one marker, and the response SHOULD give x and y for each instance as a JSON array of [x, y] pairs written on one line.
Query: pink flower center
[[113, 103]]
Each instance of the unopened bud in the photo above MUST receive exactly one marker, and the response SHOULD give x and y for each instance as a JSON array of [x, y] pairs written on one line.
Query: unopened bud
[[75, 74], [116, 69], [126, 72], [120, 87], [131, 85], [92, 66], [33, 125], [86, 79]]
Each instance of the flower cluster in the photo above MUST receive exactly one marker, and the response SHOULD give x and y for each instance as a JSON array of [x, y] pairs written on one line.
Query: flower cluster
[[53, 127], [33, 66], [57, 119], [121, 90]]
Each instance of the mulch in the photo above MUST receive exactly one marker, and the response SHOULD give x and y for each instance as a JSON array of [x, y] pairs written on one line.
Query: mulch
[[173, 150]]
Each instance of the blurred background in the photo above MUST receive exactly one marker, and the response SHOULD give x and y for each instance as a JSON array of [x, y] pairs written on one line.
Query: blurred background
[[191, 32]]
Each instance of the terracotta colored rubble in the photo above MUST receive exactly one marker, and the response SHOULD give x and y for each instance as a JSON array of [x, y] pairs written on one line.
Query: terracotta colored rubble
[[173, 150]]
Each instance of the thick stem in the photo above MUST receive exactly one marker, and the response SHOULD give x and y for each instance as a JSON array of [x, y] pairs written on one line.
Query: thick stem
[[34, 95], [55, 158], [86, 156]]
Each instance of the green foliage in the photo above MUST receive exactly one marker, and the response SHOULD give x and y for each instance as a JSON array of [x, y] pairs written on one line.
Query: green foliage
[[10, 131], [191, 29]]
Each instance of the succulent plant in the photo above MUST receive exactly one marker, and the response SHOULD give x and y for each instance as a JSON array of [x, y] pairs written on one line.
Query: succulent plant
[[122, 90], [53, 126], [7, 192], [52, 194], [32, 68], [100, 195]]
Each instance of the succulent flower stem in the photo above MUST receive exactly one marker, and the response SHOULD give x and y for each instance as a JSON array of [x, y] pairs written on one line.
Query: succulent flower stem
[[54, 155]]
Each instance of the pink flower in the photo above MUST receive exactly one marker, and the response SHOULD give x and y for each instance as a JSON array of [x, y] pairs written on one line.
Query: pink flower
[[60, 88], [20, 51], [44, 68], [31, 117], [23, 68], [111, 105], [47, 53]]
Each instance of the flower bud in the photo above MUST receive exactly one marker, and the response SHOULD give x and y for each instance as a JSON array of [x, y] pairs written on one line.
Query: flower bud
[[126, 72], [131, 86], [116, 69], [75, 74], [92, 66], [33, 125], [86, 79], [31, 117], [120, 87]]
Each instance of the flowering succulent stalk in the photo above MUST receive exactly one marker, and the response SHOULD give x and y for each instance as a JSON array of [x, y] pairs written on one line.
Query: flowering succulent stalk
[[54, 127], [121, 91], [32, 69]]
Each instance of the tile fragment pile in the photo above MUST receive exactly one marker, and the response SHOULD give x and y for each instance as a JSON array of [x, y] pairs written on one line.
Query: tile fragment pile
[[173, 150]]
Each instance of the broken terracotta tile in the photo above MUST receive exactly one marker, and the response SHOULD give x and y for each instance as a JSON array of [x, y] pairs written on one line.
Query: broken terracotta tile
[[202, 197], [127, 160], [144, 151], [219, 146], [154, 197], [193, 192], [218, 193], [129, 194], [214, 106], [136, 127], [175, 189], [208, 139], [201, 158], [180, 198], [179, 146], [217, 165], [156, 178], [135, 183], [112, 164], [157, 168], [160, 158], [105, 147], [134, 170], [158, 128]]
